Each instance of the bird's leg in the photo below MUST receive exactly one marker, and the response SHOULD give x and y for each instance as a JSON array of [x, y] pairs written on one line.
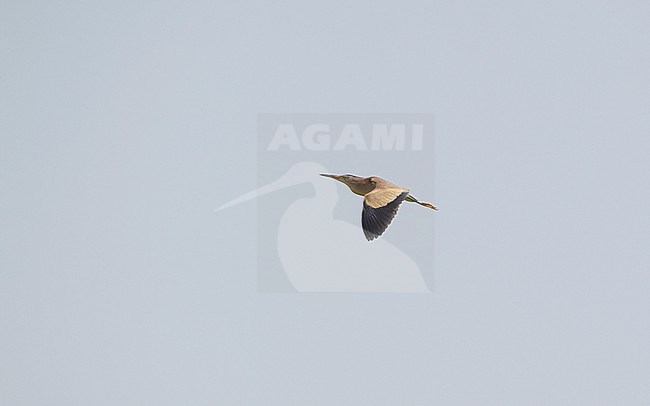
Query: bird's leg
[[412, 199]]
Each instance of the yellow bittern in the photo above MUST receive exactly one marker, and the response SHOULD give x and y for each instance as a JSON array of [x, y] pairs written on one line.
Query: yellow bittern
[[380, 203]]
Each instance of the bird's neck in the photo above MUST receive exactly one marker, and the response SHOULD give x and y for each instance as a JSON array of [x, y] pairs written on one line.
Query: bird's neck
[[361, 189]]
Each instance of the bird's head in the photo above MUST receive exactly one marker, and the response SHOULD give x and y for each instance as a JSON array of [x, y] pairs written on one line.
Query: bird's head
[[357, 184], [343, 178]]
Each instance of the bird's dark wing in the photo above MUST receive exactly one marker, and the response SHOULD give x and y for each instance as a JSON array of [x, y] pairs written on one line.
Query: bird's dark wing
[[379, 208]]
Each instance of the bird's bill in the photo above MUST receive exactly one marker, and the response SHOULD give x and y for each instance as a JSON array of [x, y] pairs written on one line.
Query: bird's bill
[[337, 177]]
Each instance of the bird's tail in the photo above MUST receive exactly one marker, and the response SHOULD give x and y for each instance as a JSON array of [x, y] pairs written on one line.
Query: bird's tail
[[410, 198]]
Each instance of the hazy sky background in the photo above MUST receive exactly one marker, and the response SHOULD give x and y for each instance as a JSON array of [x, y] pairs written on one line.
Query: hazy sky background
[[124, 124]]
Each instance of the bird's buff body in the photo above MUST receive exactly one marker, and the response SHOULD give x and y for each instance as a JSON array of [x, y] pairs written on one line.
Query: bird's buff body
[[381, 201]]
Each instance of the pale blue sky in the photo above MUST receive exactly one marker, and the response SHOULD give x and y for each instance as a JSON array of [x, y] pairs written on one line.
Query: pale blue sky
[[123, 123]]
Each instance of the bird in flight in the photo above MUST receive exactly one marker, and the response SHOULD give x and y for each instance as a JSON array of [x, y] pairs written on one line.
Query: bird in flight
[[380, 203]]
